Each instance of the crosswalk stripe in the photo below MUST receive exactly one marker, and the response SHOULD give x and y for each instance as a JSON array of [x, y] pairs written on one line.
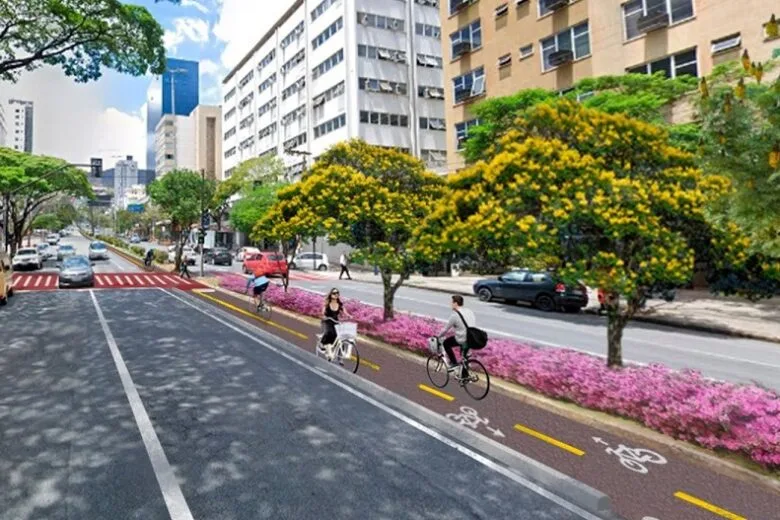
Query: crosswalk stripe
[[50, 281], [171, 279], [119, 279], [138, 280], [38, 280], [99, 280], [159, 280], [128, 280], [27, 280]]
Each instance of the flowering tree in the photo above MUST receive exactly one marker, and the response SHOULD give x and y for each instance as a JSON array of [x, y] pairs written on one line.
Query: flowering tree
[[368, 197], [601, 197]]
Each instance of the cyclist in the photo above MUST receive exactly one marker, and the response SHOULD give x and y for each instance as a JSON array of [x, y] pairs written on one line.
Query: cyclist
[[149, 257], [456, 322], [259, 283], [331, 313]]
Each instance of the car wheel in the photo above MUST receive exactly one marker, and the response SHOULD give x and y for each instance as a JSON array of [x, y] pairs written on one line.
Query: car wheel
[[323, 267], [292, 265], [545, 302], [485, 294]]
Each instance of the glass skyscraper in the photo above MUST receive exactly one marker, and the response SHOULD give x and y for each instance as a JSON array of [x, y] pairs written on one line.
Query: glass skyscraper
[[182, 76]]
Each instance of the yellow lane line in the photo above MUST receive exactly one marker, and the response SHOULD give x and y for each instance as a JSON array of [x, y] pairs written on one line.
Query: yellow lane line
[[433, 391], [549, 440], [369, 364], [709, 507], [249, 314]]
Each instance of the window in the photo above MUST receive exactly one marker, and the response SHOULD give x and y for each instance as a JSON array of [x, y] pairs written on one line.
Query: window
[[466, 39], [526, 50], [292, 62], [462, 130], [383, 118], [248, 99], [271, 152], [423, 29], [504, 60], [267, 60], [246, 79], [381, 85], [672, 66], [380, 21], [429, 3], [229, 114], [231, 152], [426, 60], [295, 87], [575, 40], [230, 133], [169, 156], [265, 85], [248, 120], [321, 8], [267, 107], [292, 36], [434, 157], [327, 33], [430, 92], [457, 5], [381, 53], [330, 126], [266, 131], [294, 115], [433, 123], [229, 95], [332, 93], [246, 143], [469, 85], [296, 141], [548, 6], [501, 10], [328, 64], [677, 11], [724, 44], [229, 172]]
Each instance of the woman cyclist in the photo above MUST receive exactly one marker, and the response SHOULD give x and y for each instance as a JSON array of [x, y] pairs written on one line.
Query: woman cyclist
[[259, 284], [331, 313]]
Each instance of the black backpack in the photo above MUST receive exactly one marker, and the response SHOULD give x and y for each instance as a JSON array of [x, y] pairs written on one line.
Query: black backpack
[[476, 339]]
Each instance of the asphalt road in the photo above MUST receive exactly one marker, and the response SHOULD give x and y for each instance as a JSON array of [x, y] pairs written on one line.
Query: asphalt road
[[126, 404], [719, 357], [115, 263]]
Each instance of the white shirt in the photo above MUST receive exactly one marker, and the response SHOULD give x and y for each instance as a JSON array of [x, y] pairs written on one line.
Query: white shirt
[[343, 259]]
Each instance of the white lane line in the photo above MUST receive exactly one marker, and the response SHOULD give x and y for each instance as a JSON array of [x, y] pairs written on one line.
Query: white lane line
[[128, 280], [172, 494], [406, 419], [51, 281], [137, 279], [171, 279], [159, 280], [27, 280], [99, 280], [38, 280], [119, 279]]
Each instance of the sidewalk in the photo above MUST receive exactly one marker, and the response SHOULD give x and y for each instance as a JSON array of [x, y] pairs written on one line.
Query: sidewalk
[[698, 310]]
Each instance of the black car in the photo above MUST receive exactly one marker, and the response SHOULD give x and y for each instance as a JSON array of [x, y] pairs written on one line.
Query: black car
[[538, 288], [218, 256]]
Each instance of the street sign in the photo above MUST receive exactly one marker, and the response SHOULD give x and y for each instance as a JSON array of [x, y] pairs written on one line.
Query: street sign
[[96, 164], [135, 208]]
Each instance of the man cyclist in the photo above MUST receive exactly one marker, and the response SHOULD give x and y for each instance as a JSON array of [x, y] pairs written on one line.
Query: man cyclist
[[260, 284], [149, 257], [456, 322]]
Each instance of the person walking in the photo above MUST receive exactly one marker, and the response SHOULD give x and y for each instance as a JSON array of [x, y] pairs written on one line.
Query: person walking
[[344, 261], [183, 271]]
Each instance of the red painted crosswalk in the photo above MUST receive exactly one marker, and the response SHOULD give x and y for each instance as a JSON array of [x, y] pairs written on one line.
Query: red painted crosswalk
[[50, 281]]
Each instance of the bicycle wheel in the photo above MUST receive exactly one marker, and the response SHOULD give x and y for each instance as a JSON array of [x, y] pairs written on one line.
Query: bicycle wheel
[[437, 371], [351, 363], [477, 382]]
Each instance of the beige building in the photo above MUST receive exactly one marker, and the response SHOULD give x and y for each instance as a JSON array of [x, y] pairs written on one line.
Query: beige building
[[497, 47], [193, 142]]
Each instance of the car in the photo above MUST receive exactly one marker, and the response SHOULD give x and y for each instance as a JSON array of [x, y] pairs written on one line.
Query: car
[[63, 232], [46, 252], [98, 251], [53, 239], [318, 261], [6, 278], [76, 271], [65, 251], [135, 239], [244, 251], [540, 289], [27, 258], [187, 255], [265, 262], [218, 256]]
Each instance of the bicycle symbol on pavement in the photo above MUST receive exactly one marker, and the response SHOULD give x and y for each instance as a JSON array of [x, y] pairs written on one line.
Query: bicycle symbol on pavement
[[635, 459], [470, 417]]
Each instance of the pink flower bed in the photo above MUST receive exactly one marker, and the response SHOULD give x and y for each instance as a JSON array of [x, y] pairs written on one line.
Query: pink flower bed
[[720, 416]]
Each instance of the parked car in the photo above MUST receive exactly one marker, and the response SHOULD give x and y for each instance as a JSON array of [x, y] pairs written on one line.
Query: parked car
[[64, 232], [538, 288], [187, 255], [65, 251], [318, 261], [6, 278], [76, 271], [244, 251], [27, 258], [53, 239], [218, 256], [135, 239], [98, 251], [266, 262], [46, 252]]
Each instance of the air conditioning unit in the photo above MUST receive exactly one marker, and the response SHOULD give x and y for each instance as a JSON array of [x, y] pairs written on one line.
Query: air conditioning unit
[[395, 24], [364, 20], [318, 101], [461, 48], [553, 5], [385, 86], [654, 20], [400, 57], [560, 57], [436, 33]]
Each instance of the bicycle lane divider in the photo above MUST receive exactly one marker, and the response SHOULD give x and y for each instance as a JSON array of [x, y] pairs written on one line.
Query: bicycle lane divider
[[636, 495]]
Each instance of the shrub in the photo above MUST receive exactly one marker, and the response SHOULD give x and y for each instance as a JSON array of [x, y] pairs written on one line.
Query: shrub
[[160, 257], [136, 250], [742, 419]]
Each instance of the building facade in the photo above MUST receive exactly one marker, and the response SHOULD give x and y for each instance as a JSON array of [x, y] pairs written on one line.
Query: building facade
[[3, 125], [496, 48], [125, 176], [177, 89], [193, 142], [330, 70], [19, 120]]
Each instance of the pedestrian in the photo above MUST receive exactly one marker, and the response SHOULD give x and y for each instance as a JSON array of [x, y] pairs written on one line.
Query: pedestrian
[[183, 271], [344, 261]]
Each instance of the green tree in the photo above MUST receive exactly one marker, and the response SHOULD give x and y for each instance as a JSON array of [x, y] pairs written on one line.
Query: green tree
[[368, 197], [82, 37], [257, 180], [47, 221], [126, 220], [66, 213], [180, 194]]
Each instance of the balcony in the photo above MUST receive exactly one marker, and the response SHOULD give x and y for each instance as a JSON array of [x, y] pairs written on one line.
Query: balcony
[[653, 21], [560, 57]]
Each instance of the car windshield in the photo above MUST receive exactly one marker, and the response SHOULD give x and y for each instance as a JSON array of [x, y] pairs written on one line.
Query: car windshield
[[27, 252], [66, 248], [275, 258], [42, 246], [98, 245], [76, 261]]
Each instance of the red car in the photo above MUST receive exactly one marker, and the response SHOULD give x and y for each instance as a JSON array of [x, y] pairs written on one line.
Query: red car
[[268, 263]]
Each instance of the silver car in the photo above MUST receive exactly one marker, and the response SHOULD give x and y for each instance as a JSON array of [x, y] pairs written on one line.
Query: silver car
[[98, 251], [65, 252], [76, 271]]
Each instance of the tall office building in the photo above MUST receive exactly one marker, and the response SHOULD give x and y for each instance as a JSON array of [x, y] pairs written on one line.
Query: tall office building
[[498, 48], [125, 176], [330, 70], [196, 145], [178, 88], [19, 118]]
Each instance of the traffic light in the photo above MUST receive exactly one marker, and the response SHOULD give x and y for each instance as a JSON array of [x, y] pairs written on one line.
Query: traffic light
[[96, 164]]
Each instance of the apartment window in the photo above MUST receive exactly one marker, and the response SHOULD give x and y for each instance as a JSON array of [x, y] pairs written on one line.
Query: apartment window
[[504, 61], [433, 123], [294, 115], [230, 133], [296, 141], [466, 39], [246, 143], [672, 66], [727, 43], [271, 152], [426, 60], [168, 156], [246, 79], [526, 50], [265, 85], [383, 118], [248, 120], [548, 6], [429, 3], [292, 62], [381, 53], [380, 21], [332, 93], [462, 131], [295, 87], [267, 107], [321, 8], [229, 114], [457, 5], [229, 95], [570, 44], [676, 11], [430, 92], [231, 152], [330, 126], [266, 61], [423, 29], [469, 85], [434, 157], [381, 85], [229, 172], [266, 131], [328, 64], [292, 36], [248, 99], [327, 33]]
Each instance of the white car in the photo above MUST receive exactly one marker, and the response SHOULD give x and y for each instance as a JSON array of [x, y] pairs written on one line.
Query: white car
[[318, 261], [53, 239], [246, 251], [28, 258], [46, 252], [187, 255]]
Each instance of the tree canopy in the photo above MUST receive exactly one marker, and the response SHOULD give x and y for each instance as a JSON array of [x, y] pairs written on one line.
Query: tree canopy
[[257, 180]]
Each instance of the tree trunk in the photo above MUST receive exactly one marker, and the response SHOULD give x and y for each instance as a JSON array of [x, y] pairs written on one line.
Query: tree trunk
[[388, 294], [615, 327]]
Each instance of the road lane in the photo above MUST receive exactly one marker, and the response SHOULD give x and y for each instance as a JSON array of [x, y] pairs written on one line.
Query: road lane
[[114, 264], [719, 357]]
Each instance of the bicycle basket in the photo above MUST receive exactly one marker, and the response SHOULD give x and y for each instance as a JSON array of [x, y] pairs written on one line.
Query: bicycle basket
[[346, 330]]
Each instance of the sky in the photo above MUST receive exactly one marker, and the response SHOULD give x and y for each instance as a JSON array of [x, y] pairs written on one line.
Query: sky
[[106, 118]]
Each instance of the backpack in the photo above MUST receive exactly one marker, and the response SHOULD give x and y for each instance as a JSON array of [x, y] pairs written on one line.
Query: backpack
[[476, 339]]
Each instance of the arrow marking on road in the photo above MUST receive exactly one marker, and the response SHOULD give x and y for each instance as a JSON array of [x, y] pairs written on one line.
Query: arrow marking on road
[[599, 440], [496, 432]]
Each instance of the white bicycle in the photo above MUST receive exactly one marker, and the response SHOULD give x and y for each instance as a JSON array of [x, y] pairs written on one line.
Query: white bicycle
[[344, 350]]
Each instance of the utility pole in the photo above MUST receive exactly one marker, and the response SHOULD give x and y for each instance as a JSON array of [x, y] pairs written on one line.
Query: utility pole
[[6, 218], [173, 73], [202, 238]]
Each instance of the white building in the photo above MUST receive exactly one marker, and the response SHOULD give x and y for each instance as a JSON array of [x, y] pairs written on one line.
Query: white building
[[19, 120], [125, 176], [135, 195], [331, 70], [3, 126], [190, 142]]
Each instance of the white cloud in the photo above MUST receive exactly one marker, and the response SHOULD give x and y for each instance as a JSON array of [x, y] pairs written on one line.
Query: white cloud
[[242, 23], [186, 29], [197, 5], [209, 68], [71, 121]]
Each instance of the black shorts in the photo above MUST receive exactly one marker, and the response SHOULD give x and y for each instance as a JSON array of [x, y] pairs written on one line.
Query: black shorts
[[258, 290]]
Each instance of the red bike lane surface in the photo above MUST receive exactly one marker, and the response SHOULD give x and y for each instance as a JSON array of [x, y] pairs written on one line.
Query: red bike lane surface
[[645, 481]]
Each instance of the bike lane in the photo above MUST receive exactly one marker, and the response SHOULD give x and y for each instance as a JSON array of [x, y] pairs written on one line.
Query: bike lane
[[646, 481]]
